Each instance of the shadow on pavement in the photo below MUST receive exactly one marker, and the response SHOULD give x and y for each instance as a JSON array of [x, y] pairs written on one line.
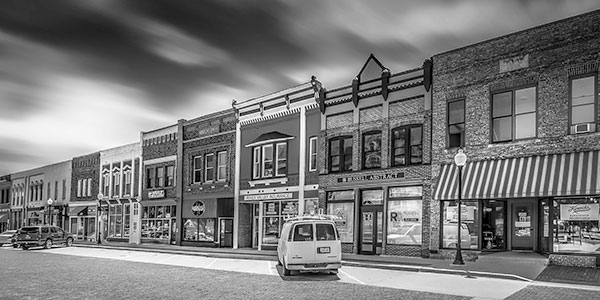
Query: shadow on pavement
[[307, 276]]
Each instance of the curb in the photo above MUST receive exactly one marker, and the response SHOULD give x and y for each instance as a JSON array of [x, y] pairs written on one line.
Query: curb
[[350, 262]]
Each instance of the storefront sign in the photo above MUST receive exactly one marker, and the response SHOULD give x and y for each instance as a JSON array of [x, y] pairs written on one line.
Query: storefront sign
[[156, 194], [208, 130], [268, 197], [467, 213], [198, 208], [371, 177], [289, 208], [580, 212]]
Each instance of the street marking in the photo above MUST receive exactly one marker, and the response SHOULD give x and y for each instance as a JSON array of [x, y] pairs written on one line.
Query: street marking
[[211, 263], [270, 267], [351, 277]]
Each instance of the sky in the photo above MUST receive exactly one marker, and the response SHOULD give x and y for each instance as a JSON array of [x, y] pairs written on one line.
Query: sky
[[78, 77]]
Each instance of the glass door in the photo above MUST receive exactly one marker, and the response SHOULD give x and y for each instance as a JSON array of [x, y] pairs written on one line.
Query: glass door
[[493, 225], [523, 220], [371, 230]]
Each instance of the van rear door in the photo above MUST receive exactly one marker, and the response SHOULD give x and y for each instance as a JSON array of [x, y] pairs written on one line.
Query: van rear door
[[327, 243], [301, 248]]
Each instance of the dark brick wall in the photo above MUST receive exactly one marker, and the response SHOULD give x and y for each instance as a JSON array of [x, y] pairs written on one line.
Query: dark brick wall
[[84, 167], [161, 149]]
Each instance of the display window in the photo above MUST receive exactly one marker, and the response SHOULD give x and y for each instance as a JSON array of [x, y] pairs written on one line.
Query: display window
[[156, 221], [405, 215], [199, 230], [274, 215], [469, 228], [493, 228], [341, 205], [576, 228]]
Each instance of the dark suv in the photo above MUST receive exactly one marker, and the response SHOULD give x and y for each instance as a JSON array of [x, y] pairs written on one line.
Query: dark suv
[[43, 235]]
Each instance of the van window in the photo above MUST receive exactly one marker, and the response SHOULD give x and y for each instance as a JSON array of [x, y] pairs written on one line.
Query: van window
[[325, 232], [44, 229], [303, 232]]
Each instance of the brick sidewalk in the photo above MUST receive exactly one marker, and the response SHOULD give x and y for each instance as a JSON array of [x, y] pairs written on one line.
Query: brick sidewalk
[[571, 275]]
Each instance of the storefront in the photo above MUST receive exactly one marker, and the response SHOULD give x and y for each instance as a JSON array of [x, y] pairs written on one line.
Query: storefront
[[82, 221], [36, 216], [547, 204], [116, 219], [4, 219], [207, 222], [159, 221]]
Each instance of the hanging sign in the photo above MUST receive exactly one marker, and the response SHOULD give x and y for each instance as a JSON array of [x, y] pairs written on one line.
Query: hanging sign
[[580, 212]]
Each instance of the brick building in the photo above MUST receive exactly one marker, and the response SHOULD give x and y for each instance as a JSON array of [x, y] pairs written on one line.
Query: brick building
[[276, 171], [82, 207], [120, 186], [159, 195], [206, 153], [5, 192], [374, 160], [524, 107]]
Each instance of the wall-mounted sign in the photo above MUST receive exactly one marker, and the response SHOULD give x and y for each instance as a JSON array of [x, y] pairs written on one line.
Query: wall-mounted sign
[[208, 130], [156, 194], [268, 197], [580, 212], [198, 208], [386, 176]]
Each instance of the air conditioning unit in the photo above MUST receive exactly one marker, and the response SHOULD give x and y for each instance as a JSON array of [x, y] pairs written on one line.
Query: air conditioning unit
[[583, 128]]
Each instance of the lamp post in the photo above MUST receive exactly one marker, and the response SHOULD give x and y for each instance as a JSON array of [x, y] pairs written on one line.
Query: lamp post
[[98, 217], [49, 211], [460, 159]]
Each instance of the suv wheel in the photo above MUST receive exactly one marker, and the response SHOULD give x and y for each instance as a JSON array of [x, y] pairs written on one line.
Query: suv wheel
[[69, 242], [25, 247], [48, 244]]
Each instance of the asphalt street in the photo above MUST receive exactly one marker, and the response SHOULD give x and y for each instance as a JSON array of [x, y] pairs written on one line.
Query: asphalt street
[[84, 273]]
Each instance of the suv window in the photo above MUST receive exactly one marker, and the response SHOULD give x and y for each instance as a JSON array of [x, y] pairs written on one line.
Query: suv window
[[53, 229], [29, 230], [303, 232], [45, 230], [325, 232]]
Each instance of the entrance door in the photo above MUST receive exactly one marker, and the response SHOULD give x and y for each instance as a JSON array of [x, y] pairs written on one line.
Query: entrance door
[[371, 230], [523, 221], [226, 233]]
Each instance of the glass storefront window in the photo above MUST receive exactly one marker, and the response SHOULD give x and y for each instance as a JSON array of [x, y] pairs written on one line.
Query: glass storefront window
[[202, 230], [372, 197], [469, 227], [156, 221], [576, 227], [344, 211], [405, 222], [493, 227], [271, 230]]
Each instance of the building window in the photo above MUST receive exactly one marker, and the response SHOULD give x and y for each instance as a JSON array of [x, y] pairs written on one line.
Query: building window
[[89, 187], [469, 229], [209, 167], [256, 163], [160, 177], [49, 189], [281, 159], [222, 166], [79, 188], [312, 158], [340, 154], [170, 176], [116, 184], [514, 115], [56, 190], [83, 187], [372, 150], [267, 161], [199, 230], [407, 145], [341, 205], [64, 189], [127, 187], [583, 104], [456, 123], [405, 215], [197, 169], [157, 221], [106, 179]]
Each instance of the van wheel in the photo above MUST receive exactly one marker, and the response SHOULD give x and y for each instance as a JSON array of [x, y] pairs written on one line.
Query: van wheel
[[69, 242], [286, 271], [333, 272], [48, 244]]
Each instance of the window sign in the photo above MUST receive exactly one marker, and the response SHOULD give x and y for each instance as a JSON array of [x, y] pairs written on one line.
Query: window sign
[[372, 197], [289, 208], [271, 208], [406, 191], [468, 213], [580, 212], [405, 222]]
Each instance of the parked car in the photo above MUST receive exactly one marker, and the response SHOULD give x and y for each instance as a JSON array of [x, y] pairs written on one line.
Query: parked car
[[309, 243], [8, 237], [43, 235]]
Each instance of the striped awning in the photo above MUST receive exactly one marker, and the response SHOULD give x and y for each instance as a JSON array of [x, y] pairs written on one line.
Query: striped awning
[[569, 174]]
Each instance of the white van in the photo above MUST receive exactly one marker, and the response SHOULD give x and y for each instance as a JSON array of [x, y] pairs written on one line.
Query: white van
[[309, 243]]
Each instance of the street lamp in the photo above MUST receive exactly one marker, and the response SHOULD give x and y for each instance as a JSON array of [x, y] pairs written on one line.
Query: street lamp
[[460, 159], [49, 211]]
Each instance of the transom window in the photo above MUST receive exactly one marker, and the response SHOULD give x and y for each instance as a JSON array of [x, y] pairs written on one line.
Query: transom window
[[340, 154], [514, 115], [269, 160], [372, 150], [583, 104], [407, 145], [456, 123]]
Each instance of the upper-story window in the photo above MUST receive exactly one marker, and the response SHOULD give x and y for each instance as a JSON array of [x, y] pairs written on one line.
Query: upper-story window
[[340, 154], [160, 177], [514, 115], [372, 150], [64, 189], [116, 183], [127, 184], [170, 176], [456, 123], [209, 167], [312, 154], [106, 185], [269, 160], [222, 166], [407, 145], [583, 104], [197, 169], [79, 185]]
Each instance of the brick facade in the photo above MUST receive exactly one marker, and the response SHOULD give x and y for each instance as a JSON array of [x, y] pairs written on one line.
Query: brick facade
[[83, 168]]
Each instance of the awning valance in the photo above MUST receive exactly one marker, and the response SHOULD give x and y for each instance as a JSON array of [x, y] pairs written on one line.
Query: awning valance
[[158, 202], [568, 174]]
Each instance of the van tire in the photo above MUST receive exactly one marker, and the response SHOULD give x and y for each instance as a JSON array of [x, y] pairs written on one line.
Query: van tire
[[333, 272], [286, 271], [48, 244]]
